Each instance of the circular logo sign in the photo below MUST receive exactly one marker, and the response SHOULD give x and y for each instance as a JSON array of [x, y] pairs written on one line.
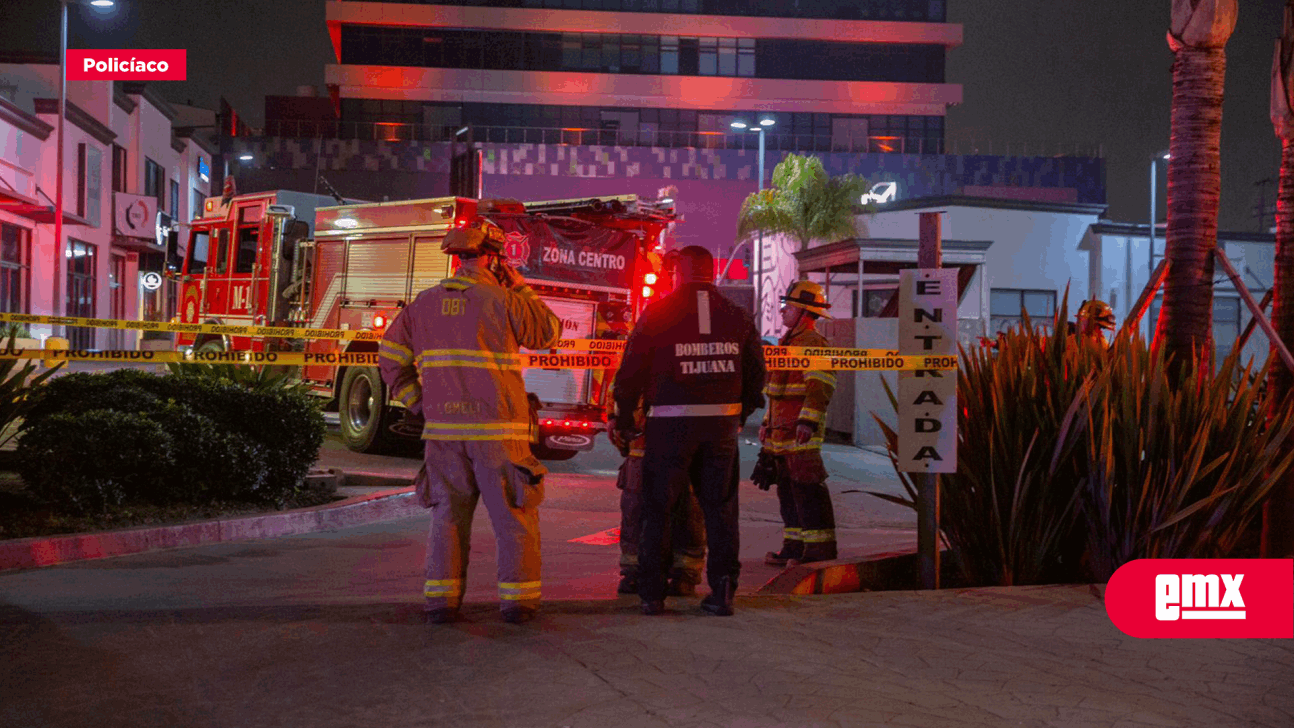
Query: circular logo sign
[[516, 248], [571, 440], [151, 281], [136, 213]]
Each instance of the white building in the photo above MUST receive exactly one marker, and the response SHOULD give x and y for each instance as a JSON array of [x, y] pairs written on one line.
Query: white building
[[1012, 255], [123, 165]]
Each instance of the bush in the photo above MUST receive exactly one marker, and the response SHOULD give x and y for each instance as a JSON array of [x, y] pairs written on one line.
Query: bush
[[17, 388], [223, 441], [1073, 460], [92, 460]]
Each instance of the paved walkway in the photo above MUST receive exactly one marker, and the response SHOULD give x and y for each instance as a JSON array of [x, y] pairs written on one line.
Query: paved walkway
[[1044, 656]]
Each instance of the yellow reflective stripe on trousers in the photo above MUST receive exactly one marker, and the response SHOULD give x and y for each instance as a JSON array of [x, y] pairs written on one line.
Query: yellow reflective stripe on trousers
[[694, 410], [476, 431], [780, 447], [440, 588], [791, 534], [519, 590], [822, 535]]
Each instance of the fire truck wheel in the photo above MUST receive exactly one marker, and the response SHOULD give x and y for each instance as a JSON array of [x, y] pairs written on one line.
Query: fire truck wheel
[[365, 417]]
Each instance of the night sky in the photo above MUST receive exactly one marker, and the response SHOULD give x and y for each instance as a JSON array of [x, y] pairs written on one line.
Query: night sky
[[1052, 71]]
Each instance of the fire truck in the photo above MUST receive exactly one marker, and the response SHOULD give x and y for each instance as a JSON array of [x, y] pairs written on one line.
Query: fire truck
[[296, 260]]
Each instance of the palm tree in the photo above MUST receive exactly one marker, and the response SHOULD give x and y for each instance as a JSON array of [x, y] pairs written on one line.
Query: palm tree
[[1278, 513], [804, 203], [1198, 33]]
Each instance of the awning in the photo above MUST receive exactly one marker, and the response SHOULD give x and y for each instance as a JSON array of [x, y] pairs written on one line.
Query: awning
[[16, 204]]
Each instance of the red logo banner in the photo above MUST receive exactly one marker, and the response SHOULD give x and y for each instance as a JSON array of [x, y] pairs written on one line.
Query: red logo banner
[[85, 64], [1203, 598]]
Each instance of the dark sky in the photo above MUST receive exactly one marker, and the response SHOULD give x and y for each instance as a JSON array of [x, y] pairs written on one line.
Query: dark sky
[[1052, 71]]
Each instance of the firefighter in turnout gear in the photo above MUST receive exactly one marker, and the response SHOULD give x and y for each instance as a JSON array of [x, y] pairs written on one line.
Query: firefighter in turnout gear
[[696, 363], [1093, 319], [792, 433], [453, 356]]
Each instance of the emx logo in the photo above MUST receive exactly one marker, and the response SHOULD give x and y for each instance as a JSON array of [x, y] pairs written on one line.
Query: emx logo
[[1236, 598]]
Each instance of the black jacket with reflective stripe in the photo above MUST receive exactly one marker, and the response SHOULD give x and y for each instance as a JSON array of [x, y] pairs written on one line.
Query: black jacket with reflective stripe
[[692, 352]]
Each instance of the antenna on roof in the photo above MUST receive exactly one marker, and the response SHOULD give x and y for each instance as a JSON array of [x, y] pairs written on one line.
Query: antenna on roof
[[331, 190]]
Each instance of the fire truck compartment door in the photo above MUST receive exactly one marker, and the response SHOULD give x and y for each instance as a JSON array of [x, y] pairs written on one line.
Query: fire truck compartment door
[[565, 386]]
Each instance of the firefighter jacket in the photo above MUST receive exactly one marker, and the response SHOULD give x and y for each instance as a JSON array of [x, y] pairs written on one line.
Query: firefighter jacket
[[693, 353], [462, 338], [796, 397]]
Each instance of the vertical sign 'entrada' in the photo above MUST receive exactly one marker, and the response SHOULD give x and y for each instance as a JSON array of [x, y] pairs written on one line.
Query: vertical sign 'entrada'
[[928, 397]]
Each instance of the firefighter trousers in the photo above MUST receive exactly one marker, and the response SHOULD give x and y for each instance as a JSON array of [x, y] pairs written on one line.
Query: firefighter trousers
[[809, 521], [687, 532], [456, 474], [700, 454]]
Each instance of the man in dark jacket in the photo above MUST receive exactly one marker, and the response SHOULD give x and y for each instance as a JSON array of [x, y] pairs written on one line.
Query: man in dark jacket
[[696, 361]]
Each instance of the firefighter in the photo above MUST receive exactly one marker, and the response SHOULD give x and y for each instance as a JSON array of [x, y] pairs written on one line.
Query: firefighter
[[461, 339], [792, 433], [696, 362], [687, 522], [1092, 320]]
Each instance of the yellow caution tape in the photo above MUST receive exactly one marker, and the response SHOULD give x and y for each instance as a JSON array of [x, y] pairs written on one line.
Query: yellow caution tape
[[281, 332], [537, 361]]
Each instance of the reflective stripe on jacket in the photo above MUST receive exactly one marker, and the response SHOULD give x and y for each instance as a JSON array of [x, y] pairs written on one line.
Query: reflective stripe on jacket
[[693, 353], [796, 397], [462, 340]]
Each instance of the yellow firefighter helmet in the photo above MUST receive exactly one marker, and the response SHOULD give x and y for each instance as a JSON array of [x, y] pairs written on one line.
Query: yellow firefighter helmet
[[1095, 315], [478, 237], [808, 296]]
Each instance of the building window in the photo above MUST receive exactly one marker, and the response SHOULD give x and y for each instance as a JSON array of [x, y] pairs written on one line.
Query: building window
[[153, 181], [1226, 327], [82, 259], [876, 299], [196, 200], [15, 268], [709, 56], [175, 199], [120, 169], [746, 57], [669, 54], [1006, 305]]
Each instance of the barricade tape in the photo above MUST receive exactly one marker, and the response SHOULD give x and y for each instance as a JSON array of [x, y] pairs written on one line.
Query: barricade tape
[[609, 346], [537, 361], [280, 332]]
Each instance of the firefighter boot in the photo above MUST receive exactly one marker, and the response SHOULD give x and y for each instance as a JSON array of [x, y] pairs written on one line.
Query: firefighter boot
[[719, 601], [519, 614], [681, 586], [628, 584], [790, 550], [824, 551], [443, 615]]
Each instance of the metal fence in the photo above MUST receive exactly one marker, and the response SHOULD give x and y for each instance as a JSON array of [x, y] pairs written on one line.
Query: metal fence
[[877, 143]]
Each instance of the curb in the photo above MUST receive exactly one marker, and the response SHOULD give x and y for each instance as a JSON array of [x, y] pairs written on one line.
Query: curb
[[28, 553], [888, 571]]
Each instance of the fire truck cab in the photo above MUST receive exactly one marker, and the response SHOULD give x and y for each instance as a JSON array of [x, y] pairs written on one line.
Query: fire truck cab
[[285, 259]]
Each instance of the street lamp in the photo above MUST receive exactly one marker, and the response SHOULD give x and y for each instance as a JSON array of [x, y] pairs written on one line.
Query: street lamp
[[1150, 254], [62, 112], [760, 128]]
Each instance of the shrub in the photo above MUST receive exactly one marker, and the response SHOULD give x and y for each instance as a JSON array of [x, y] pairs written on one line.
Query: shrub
[[224, 441], [1073, 461], [91, 460], [17, 387]]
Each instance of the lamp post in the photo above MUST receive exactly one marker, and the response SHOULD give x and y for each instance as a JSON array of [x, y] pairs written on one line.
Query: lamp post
[[58, 171], [760, 128], [1150, 251]]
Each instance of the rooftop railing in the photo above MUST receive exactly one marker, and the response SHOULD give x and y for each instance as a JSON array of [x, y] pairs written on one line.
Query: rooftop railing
[[873, 143]]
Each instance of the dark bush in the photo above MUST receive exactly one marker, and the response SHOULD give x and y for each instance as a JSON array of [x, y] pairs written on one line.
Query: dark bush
[[224, 441], [95, 459]]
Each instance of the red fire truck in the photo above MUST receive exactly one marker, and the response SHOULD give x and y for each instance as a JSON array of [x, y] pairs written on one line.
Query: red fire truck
[[291, 259]]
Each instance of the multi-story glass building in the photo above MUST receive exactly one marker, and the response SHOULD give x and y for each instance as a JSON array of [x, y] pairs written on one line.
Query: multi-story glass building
[[835, 75]]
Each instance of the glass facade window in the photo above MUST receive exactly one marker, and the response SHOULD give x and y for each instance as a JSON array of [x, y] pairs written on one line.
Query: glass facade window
[[637, 126], [641, 54], [82, 264], [920, 11], [154, 181], [15, 268], [1006, 304]]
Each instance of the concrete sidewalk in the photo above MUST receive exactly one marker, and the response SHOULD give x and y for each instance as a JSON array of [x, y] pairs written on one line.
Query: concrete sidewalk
[[1035, 656]]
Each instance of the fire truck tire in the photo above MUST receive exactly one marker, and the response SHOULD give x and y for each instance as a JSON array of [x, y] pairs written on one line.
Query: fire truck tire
[[543, 452], [365, 416], [209, 343]]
